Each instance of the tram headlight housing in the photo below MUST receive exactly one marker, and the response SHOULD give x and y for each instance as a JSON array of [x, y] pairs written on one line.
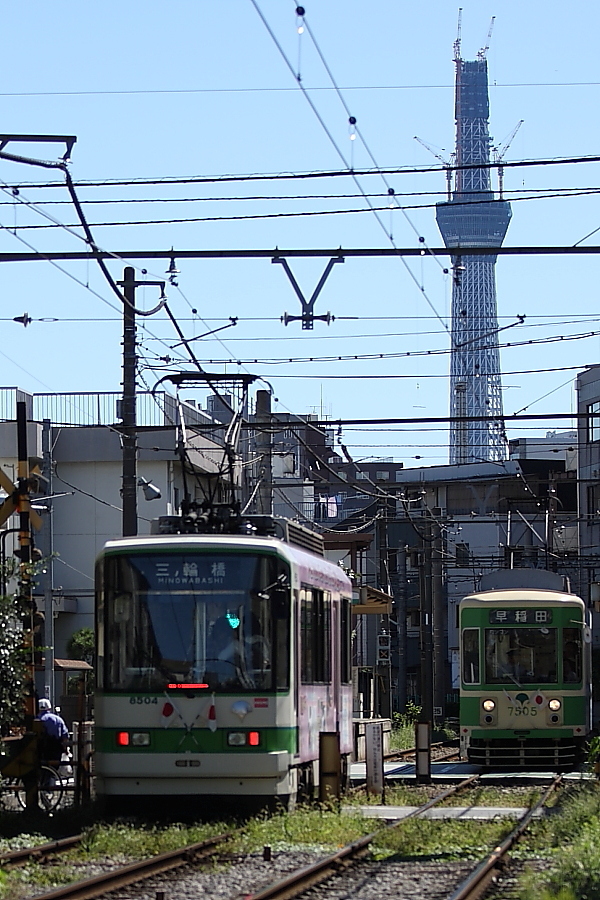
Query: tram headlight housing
[[140, 739], [554, 704], [489, 705]]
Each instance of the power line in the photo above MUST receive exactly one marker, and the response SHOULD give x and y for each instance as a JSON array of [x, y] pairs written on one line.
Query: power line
[[186, 220], [285, 90], [323, 173], [559, 191]]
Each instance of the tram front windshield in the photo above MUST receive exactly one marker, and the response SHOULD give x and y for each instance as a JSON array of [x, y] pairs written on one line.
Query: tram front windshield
[[217, 621], [520, 655]]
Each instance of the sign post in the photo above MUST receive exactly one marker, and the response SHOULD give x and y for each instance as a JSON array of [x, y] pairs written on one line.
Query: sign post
[[374, 758]]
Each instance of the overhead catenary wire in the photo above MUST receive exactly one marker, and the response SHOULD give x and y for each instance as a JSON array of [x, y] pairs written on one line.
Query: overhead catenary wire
[[321, 173]]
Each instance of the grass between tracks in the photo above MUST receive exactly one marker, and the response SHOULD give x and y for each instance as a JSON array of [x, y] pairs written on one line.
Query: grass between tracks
[[570, 838], [571, 841]]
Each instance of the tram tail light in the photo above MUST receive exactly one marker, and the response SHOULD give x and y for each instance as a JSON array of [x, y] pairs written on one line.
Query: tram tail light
[[243, 739], [123, 738]]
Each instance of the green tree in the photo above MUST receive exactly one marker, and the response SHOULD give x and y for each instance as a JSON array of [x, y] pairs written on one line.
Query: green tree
[[13, 661], [82, 645]]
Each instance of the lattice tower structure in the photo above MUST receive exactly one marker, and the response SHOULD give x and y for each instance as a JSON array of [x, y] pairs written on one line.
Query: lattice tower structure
[[473, 218]]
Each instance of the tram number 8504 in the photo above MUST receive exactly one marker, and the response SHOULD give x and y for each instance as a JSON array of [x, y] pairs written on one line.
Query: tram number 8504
[[143, 700]]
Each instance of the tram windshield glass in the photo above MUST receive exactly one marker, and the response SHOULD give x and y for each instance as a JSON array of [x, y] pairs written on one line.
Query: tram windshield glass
[[215, 621], [520, 655]]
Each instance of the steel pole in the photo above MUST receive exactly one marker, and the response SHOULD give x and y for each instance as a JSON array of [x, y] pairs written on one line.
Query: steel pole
[[128, 410]]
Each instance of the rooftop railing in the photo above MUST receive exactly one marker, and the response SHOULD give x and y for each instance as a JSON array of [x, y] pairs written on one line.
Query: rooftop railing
[[81, 408]]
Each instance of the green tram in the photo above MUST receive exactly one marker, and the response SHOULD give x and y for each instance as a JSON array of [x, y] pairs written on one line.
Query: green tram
[[525, 691]]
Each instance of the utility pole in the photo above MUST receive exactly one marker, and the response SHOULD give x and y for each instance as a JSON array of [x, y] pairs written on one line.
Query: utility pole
[[383, 667], [264, 450], [426, 605], [128, 407], [400, 590], [439, 627], [48, 550], [25, 585]]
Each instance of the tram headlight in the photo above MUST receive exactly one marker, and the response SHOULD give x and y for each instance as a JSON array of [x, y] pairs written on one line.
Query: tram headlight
[[140, 739], [236, 738], [554, 704], [489, 705]]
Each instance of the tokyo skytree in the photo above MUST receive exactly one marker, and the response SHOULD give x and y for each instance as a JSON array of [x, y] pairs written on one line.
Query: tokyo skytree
[[472, 218]]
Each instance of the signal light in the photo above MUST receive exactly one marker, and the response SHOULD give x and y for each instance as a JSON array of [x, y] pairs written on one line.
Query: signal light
[[123, 738], [253, 738]]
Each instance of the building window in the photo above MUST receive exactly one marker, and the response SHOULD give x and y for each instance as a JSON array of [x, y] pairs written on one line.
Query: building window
[[382, 476], [463, 556], [594, 501], [413, 619], [593, 410], [361, 476]]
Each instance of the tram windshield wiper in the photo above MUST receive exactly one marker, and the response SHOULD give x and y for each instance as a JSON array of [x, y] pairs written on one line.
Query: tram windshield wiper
[[507, 674]]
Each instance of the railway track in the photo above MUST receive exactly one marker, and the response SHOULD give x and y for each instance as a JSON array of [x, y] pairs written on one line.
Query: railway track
[[472, 887], [439, 753], [12, 858], [317, 873], [102, 884], [477, 883]]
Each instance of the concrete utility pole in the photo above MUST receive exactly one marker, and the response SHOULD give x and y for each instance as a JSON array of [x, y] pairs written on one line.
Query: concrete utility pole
[[264, 449], [399, 593], [426, 606], [48, 549], [128, 408], [439, 627], [384, 674]]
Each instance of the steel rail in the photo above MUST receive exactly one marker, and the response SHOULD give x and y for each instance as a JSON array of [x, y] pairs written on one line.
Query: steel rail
[[110, 881], [16, 857], [478, 881], [316, 873], [408, 751]]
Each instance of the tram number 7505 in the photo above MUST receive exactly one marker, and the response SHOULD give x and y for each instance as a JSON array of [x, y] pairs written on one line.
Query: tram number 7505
[[522, 711]]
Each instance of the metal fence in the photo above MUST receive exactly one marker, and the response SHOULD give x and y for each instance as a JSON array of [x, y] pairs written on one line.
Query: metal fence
[[99, 408]]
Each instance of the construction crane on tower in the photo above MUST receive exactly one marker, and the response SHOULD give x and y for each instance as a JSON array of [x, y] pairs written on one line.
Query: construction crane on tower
[[499, 155], [448, 163], [482, 53]]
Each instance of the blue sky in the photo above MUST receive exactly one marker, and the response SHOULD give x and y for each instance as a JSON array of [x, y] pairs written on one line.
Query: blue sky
[[200, 89]]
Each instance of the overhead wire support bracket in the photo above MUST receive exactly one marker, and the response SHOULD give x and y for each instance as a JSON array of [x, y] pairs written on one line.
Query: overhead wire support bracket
[[308, 317], [67, 139]]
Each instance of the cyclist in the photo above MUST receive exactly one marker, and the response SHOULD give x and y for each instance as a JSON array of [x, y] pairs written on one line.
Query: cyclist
[[56, 733]]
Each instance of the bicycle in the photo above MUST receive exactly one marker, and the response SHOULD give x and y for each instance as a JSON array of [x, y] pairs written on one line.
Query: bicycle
[[50, 790]]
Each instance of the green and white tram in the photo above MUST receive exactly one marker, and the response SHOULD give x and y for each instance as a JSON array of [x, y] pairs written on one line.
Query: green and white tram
[[220, 661], [525, 691]]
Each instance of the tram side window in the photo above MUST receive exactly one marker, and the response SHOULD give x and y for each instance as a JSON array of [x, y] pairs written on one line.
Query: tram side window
[[346, 639], [315, 636], [470, 656], [572, 656], [100, 626]]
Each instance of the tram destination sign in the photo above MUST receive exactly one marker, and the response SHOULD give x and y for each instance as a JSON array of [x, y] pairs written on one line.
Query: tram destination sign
[[520, 617]]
